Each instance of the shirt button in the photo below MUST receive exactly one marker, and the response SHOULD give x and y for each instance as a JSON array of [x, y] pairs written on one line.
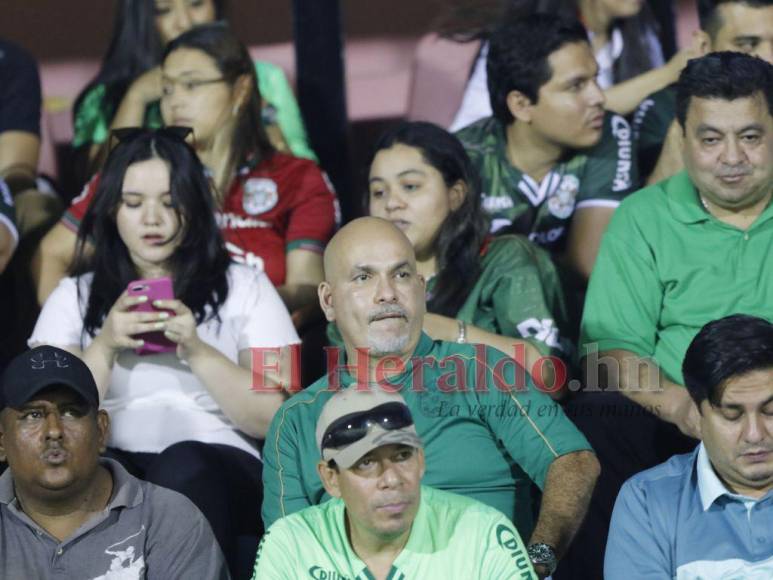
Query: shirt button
[[746, 236], [60, 551]]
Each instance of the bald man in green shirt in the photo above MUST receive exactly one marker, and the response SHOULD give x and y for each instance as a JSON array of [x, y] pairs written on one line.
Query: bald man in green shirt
[[383, 523], [488, 432]]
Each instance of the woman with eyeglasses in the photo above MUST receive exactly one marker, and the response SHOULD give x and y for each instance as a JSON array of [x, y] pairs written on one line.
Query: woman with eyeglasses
[[185, 402], [127, 89], [504, 291], [276, 211]]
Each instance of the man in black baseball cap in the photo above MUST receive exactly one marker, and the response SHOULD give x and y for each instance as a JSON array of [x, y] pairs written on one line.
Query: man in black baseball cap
[[66, 512], [43, 367]]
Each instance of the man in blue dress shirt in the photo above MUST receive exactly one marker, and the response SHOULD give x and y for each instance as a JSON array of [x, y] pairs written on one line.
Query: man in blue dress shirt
[[709, 513]]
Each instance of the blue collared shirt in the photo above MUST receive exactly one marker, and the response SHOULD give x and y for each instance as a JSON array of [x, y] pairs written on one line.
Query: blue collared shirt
[[678, 520]]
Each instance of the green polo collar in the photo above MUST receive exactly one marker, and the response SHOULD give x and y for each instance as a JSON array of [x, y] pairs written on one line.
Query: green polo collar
[[685, 205]]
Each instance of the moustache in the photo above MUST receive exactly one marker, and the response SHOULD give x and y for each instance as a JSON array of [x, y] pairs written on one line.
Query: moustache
[[387, 312]]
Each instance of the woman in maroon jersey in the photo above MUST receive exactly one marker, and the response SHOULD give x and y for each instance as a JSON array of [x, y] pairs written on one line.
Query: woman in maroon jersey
[[276, 212]]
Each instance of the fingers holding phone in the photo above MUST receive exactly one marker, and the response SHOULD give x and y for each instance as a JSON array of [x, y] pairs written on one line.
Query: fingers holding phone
[[125, 327], [181, 327]]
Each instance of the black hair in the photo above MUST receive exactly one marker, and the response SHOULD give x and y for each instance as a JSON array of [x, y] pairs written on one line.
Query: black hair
[[462, 234], [708, 13], [249, 141], [635, 58], [518, 56], [723, 349], [135, 47], [199, 264], [723, 75]]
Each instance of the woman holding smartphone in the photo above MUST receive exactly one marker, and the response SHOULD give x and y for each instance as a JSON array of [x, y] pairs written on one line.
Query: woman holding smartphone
[[276, 211], [186, 419]]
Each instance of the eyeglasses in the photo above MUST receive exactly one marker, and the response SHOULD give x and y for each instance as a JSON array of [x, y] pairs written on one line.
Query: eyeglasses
[[353, 427], [188, 85], [129, 134]]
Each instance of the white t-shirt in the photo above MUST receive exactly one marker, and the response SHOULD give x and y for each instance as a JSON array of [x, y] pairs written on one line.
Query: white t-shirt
[[155, 400]]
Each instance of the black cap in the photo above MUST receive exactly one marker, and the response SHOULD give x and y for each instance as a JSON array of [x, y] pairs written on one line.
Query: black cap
[[45, 366]]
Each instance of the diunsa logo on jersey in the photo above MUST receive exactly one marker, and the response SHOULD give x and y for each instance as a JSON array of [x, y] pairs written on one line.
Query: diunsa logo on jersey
[[561, 203], [260, 195]]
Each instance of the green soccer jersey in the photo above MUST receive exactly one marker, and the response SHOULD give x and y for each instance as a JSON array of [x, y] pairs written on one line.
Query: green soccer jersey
[[599, 176], [487, 431], [517, 294], [667, 267], [451, 537], [7, 211], [650, 124]]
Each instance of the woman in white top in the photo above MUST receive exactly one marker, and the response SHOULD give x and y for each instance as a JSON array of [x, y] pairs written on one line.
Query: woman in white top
[[187, 419]]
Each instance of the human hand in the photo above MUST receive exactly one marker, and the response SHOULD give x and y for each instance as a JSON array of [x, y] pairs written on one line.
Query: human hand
[[180, 328], [146, 88], [122, 324], [699, 46], [686, 416]]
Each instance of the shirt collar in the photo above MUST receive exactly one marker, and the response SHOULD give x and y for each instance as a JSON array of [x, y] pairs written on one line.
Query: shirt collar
[[710, 487], [127, 491], [685, 203], [683, 200]]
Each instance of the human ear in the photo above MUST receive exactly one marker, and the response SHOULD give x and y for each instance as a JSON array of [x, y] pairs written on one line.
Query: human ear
[[325, 293], [103, 427], [520, 106], [329, 476], [456, 194]]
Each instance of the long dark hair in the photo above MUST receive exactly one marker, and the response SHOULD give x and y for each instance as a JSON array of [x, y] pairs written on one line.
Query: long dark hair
[[462, 234], [635, 58], [249, 142], [199, 264], [466, 20], [135, 47]]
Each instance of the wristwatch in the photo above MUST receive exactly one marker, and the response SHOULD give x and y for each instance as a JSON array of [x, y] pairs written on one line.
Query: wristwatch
[[462, 338], [543, 555]]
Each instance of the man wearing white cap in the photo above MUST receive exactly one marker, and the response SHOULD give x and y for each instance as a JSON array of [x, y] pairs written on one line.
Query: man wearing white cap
[[381, 523]]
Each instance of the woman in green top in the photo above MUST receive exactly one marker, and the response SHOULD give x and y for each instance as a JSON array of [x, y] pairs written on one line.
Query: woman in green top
[[503, 292], [127, 90]]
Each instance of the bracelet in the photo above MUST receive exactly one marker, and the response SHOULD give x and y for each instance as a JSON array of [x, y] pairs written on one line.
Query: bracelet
[[462, 338]]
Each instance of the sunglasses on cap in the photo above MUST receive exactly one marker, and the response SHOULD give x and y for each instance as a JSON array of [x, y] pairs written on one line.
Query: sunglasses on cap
[[354, 426], [128, 134]]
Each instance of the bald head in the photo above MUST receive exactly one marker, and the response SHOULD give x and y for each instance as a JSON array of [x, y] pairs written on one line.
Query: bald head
[[359, 238], [371, 289]]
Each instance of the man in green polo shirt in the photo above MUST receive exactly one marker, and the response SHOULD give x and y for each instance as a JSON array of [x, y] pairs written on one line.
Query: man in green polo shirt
[[553, 165], [382, 522], [677, 255], [488, 432], [739, 25]]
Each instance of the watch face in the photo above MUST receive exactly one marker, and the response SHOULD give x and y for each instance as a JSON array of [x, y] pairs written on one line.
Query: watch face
[[544, 555]]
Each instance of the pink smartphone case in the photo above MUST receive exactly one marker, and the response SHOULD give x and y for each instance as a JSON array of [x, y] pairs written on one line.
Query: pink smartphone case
[[154, 289]]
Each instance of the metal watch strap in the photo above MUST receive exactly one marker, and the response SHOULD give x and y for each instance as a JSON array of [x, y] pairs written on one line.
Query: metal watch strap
[[544, 555]]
